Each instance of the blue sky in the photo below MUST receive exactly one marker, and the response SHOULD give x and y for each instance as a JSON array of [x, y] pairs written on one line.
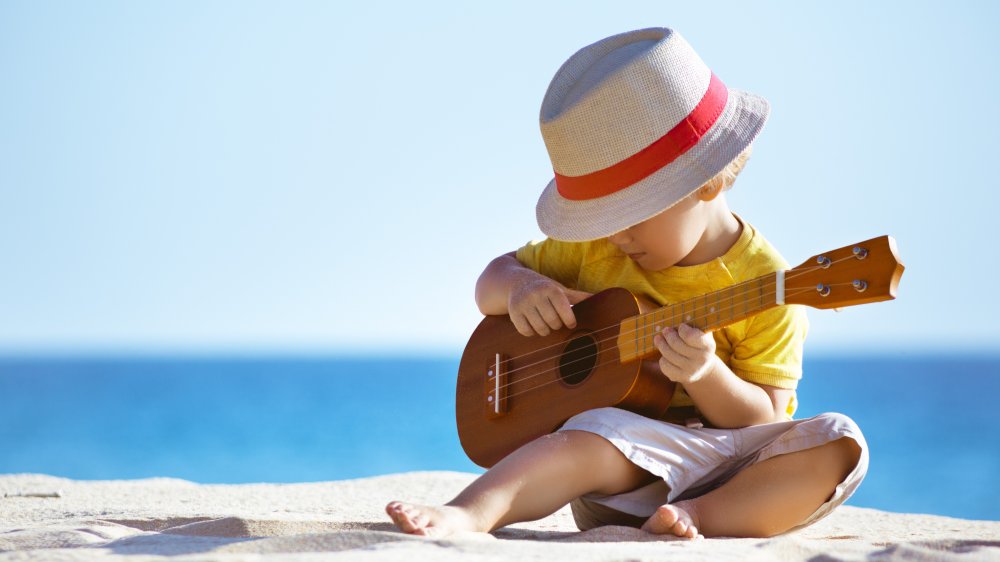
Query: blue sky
[[297, 177]]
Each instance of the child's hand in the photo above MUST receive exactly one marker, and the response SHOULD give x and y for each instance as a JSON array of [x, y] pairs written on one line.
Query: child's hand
[[688, 353], [540, 305]]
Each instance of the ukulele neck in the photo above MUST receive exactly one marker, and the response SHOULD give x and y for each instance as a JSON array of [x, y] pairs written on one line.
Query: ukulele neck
[[707, 312]]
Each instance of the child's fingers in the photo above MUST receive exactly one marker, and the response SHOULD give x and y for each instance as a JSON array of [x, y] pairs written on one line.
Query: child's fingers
[[668, 365], [565, 312], [542, 307], [667, 352], [550, 314], [661, 344], [538, 324], [674, 342], [690, 335], [521, 324]]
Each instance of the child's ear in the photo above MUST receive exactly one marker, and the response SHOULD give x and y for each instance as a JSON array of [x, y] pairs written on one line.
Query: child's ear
[[709, 191]]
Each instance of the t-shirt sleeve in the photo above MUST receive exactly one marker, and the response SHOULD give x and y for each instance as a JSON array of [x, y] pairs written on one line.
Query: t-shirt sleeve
[[771, 351], [554, 259]]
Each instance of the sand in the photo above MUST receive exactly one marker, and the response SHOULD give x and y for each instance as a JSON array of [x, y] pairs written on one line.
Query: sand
[[48, 518]]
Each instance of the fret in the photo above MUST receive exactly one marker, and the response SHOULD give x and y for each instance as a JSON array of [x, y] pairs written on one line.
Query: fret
[[746, 302], [732, 304], [714, 309], [760, 285], [638, 335], [652, 330], [656, 322], [657, 326], [636, 340], [707, 313], [645, 332], [718, 308]]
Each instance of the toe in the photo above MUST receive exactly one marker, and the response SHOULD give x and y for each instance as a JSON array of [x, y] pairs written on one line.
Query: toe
[[403, 515], [662, 521], [409, 520], [392, 510], [420, 519]]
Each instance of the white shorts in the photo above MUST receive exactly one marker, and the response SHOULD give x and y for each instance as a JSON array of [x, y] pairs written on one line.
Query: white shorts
[[691, 462]]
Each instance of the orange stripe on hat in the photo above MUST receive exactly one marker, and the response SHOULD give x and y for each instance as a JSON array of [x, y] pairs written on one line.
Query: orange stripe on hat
[[663, 151]]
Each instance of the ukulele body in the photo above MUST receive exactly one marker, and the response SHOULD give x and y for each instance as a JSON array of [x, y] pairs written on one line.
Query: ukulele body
[[512, 388]]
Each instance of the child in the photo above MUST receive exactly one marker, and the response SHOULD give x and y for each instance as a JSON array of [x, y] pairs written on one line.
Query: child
[[644, 138]]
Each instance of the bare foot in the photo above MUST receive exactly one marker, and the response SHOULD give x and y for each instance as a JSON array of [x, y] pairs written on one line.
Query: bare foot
[[678, 519], [439, 521]]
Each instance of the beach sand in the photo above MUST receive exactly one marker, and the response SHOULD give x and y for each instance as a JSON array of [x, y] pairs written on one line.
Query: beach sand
[[148, 519]]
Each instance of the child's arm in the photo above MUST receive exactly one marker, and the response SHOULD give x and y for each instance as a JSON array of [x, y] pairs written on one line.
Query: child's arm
[[535, 303], [726, 400]]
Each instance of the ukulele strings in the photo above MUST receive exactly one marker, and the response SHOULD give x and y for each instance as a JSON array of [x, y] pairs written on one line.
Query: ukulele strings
[[643, 328], [694, 310], [536, 387], [546, 371], [643, 317], [694, 317]]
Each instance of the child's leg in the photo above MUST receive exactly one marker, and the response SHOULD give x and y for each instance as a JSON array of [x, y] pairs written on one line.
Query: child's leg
[[766, 498], [530, 483]]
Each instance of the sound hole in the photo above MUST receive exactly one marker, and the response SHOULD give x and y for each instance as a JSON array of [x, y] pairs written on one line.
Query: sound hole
[[578, 359]]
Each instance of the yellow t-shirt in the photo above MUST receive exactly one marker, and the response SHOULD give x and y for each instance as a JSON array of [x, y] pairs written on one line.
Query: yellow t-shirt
[[763, 349]]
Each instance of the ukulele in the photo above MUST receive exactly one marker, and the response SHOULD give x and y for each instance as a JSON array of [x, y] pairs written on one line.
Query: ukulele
[[512, 389]]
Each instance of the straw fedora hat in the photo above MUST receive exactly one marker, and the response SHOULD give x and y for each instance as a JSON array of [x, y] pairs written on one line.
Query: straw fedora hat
[[634, 123]]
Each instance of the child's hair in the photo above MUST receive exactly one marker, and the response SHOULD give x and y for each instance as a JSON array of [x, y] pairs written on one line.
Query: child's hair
[[728, 174]]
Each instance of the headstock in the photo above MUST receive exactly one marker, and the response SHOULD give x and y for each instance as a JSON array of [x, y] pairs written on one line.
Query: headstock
[[868, 271]]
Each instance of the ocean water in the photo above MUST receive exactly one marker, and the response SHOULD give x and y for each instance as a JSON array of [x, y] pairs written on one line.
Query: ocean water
[[931, 421]]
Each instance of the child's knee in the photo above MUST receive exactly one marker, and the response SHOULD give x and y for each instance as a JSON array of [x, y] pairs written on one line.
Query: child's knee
[[845, 452], [837, 460], [849, 455]]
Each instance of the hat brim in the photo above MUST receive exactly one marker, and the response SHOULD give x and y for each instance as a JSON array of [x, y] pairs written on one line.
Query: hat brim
[[578, 221]]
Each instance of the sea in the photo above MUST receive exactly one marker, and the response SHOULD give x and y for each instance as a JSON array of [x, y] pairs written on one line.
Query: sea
[[932, 422]]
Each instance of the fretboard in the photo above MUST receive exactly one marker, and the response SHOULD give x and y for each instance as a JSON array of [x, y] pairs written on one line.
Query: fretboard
[[707, 312]]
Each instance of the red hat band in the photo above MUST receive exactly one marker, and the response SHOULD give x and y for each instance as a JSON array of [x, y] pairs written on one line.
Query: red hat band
[[661, 152]]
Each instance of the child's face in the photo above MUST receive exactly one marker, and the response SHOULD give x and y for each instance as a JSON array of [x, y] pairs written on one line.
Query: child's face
[[666, 239]]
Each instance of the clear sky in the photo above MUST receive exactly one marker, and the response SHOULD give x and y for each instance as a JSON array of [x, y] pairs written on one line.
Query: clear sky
[[251, 177]]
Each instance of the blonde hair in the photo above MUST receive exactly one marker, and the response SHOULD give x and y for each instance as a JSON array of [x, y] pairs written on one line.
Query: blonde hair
[[725, 179]]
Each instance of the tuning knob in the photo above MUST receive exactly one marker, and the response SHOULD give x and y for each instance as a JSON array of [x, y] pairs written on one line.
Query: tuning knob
[[860, 252], [823, 290], [859, 285], [823, 261]]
